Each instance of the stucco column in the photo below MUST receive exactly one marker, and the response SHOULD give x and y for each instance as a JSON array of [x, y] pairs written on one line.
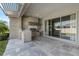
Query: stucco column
[[15, 28], [78, 27]]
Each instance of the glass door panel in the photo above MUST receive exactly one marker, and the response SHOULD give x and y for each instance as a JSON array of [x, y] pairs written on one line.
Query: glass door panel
[[65, 30], [56, 28], [68, 30], [73, 27]]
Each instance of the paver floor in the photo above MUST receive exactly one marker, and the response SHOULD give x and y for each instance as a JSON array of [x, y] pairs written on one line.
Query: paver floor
[[40, 47]]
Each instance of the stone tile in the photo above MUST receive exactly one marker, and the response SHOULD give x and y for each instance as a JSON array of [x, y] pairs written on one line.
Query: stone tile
[[40, 47], [37, 52], [58, 52]]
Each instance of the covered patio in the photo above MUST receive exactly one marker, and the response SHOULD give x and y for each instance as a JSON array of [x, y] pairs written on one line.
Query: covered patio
[[44, 23], [42, 46]]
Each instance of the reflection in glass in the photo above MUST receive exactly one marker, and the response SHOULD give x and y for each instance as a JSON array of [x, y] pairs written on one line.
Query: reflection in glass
[[68, 30], [56, 27], [62, 27], [65, 30], [73, 28]]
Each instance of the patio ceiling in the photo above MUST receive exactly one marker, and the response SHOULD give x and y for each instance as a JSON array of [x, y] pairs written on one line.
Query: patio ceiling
[[40, 10], [43, 10]]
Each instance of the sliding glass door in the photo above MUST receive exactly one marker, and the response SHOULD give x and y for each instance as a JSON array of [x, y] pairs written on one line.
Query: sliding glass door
[[63, 27], [73, 27], [68, 24]]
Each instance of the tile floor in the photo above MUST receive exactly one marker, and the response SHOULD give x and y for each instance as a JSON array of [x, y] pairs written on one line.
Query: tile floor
[[40, 47]]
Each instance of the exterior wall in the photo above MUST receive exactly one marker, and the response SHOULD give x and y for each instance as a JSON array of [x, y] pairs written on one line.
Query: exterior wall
[[26, 21], [15, 28], [33, 28], [45, 14], [63, 12], [50, 11]]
